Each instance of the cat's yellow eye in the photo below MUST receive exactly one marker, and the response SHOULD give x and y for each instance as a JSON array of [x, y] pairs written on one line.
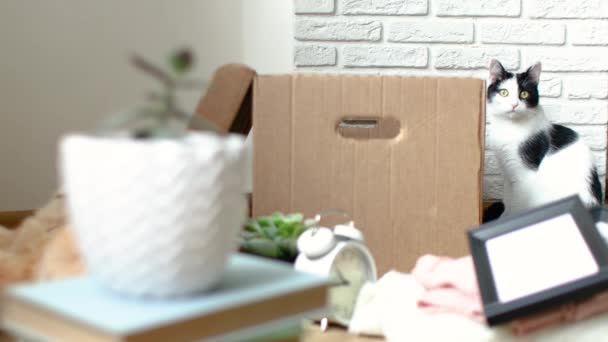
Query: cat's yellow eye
[[503, 92], [524, 95]]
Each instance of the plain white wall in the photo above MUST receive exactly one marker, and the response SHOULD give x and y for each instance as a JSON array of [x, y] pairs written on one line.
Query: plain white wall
[[268, 35], [64, 66]]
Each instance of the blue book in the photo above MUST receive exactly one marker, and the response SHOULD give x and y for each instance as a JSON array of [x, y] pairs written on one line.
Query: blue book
[[255, 296]]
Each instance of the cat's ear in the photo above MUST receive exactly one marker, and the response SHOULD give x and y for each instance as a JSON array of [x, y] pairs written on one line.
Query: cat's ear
[[497, 71], [534, 72]]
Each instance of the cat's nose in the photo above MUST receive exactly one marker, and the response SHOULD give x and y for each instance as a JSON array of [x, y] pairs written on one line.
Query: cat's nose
[[514, 105]]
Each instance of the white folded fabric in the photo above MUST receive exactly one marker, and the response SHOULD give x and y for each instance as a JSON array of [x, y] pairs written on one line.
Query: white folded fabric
[[388, 308]]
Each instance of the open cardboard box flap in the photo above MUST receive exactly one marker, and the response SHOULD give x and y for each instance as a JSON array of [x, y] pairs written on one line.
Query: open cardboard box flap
[[227, 102], [402, 155]]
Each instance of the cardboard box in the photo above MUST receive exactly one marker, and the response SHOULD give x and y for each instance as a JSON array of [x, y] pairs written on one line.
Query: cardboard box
[[227, 102], [402, 155]]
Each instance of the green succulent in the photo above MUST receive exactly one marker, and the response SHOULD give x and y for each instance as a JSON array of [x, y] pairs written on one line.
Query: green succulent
[[160, 116], [273, 236]]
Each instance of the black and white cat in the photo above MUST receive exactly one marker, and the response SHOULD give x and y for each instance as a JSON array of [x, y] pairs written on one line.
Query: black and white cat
[[541, 162]]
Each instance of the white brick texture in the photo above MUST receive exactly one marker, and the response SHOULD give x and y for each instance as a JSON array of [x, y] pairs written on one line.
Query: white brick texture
[[484, 8], [594, 136], [492, 187], [458, 38], [338, 30], [385, 7], [588, 88], [491, 164], [385, 56], [600, 161], [550, 86], [568, 8], [570, 59], [576, 113], [589, 33], [314, 55], [431, 32], [474, 57], [313, 6], [523, 33]]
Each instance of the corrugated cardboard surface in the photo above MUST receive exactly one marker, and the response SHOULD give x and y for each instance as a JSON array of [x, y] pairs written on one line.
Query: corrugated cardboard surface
[[227, 101], [412, 194]]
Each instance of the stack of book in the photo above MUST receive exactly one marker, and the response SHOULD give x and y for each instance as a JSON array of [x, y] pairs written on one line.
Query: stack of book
[[258, 299]]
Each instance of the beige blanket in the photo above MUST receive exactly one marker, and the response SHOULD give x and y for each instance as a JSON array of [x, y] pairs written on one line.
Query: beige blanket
[[40, 248]]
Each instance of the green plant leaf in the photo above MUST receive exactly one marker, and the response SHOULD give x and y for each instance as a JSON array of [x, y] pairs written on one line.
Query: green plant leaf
[[274, 236], [289, 250], [294, 218], [264, 221], [285, 230], [254, 226], [271, 232], [246, 234], [263, 247], [298, 230]]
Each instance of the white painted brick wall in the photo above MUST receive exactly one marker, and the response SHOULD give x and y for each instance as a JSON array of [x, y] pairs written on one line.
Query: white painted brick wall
[[583, 59], [474, 57], [587, 88], [483, 8], [385, 56], [550, 85], [338, 30], [313, 6], [523, 33], [315, 55], [589, 33], [385, 7], [577, 9], [458, 37], [431, 32], [492, 186], [577, 114], [600, 160]]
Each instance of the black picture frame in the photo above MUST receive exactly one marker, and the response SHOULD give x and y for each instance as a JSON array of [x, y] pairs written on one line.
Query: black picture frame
[[497, 312], [600, 214]]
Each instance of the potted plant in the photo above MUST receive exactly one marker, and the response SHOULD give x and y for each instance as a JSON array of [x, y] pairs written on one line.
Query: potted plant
[[273, 236], [156, 208]]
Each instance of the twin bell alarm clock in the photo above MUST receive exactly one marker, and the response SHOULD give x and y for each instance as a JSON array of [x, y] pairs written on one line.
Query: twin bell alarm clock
[[341, 254]]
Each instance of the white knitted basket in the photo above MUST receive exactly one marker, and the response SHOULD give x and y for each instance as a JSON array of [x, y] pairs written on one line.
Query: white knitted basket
[[155, 217]]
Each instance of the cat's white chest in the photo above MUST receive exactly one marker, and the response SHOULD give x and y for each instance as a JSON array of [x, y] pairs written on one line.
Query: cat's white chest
[[505, 137], [503, 133]]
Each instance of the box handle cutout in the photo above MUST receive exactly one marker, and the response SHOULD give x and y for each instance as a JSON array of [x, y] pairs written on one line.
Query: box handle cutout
[[369, 127], [358, 123]]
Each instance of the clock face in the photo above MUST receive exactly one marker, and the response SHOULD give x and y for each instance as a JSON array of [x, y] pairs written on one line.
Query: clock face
[[352, 269]]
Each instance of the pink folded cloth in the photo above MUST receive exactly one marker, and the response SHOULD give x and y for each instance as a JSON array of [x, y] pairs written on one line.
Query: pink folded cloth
[[450, 284]]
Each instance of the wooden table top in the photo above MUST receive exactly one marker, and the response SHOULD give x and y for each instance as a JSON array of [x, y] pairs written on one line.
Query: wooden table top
[[312, 333]]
